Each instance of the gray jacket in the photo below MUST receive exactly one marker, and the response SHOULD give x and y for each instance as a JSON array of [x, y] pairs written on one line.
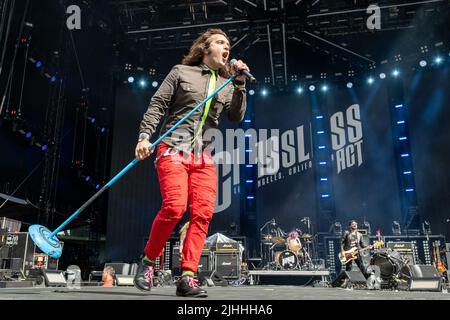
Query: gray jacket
[[183, 89]]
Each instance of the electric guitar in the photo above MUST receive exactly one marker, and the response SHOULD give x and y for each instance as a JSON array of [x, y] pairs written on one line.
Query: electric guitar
[[437, 258], [352, 254]]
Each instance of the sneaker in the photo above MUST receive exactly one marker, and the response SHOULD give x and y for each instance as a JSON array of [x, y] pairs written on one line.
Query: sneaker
[[143, 280], [188, 287]]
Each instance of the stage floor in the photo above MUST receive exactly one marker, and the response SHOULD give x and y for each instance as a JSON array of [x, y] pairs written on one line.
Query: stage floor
[[217, 293]]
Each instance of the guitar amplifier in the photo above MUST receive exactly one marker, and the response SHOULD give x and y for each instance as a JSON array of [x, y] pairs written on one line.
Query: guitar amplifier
[[205, 263], [228, 264], [227, 246], [405, 249]]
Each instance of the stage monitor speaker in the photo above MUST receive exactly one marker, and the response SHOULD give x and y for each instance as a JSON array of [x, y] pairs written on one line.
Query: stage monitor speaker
[[212, 278], [424, 278], [54, 278], [124, 280], [355, 279]]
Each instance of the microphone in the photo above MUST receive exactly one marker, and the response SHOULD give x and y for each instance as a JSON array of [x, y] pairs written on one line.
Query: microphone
[[249, 76]]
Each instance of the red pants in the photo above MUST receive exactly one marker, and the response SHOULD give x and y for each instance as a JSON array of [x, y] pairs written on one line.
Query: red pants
[[182, 179]]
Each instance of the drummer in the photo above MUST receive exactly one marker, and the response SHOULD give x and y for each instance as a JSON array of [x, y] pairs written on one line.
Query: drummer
[[293, 242]]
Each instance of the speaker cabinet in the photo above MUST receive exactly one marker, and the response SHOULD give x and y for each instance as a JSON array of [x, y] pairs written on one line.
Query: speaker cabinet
[[351, 279], [228, 264]]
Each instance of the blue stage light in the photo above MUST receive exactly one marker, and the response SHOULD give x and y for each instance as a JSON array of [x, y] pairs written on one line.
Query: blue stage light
[[142, 83], [312, 88], [28, 135], [251, 92], [130, 79], [44, 147], [155, 84], [97, 186], [87, 178], [438, 60], [264, 92], [382, 75], [53, 79], [370, 80], [395, 73], [38, 64], [349, 85], [299, 90], [324, 88], [422, 63]]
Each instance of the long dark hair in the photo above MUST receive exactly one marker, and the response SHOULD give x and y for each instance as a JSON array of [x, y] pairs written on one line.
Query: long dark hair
[[196, 53]]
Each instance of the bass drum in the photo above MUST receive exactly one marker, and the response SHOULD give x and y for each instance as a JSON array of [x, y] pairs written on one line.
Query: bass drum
[[390, 263], [287, 260]]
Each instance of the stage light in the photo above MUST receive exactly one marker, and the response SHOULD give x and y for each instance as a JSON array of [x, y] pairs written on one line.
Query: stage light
[[438, 60], [402, 138], [382, 75], [322, 163], [38, 64], [249, 181], [251, 92], [321, 147], [299, 90], [44, 147], [53, 79], [28, 135], [395, 73], [325, 195], [264, 92], [154, 84], [396, 230], [97, 186], [409, 190], [422, 63], [142, 83], [250, 197], [406, 172], [130, 79], [401, 122], [324, 88], [247, 121], [91, 119], [426, 227], [349, 85], [370, 80], [87, 178], [103, 130], [312, 88]]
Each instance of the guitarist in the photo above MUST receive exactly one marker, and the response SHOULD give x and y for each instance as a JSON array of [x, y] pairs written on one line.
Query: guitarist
[[353, 239]]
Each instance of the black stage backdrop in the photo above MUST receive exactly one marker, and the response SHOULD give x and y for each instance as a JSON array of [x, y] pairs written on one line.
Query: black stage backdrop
[[364, 170], [427, 97], [135, 199], [289, 194]]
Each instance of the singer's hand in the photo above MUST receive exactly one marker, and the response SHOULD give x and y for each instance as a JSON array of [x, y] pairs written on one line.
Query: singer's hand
[[238, 66], [141, 152]]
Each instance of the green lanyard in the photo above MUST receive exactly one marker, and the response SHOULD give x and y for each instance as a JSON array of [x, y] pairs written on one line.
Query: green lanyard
[[211, 88]]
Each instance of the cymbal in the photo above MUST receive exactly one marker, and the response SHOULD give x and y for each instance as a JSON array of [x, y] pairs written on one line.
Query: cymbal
[[306, 235], [278, 240]]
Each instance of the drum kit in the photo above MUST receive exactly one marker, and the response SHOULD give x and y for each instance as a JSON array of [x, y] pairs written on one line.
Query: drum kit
[[394, 269], [282, 251]]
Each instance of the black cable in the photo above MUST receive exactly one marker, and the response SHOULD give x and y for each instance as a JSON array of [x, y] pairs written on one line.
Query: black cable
[[29, 175], [7, 35]]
